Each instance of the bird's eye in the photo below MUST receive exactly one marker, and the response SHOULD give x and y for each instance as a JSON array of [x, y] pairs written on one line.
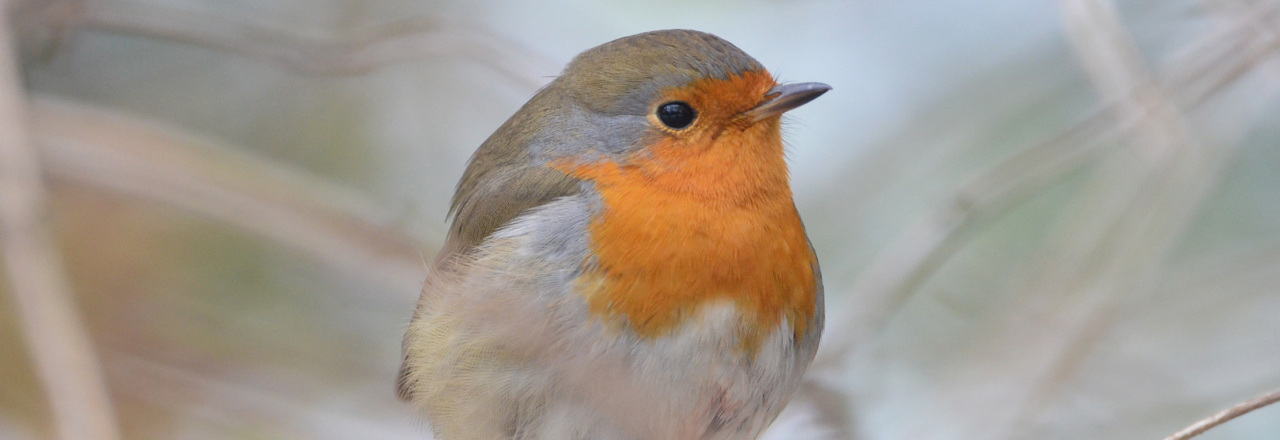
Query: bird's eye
[[676, 114]]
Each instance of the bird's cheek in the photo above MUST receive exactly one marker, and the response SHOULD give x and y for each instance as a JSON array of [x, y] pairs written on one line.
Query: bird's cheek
[[666, 150]]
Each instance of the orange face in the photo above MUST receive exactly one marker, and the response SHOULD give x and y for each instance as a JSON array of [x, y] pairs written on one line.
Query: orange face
[[705, 214]]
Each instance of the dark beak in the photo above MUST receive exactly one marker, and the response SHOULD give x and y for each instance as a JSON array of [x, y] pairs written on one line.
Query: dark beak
[[786, 97]]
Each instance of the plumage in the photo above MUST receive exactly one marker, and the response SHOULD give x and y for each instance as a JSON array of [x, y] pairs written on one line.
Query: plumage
[[609, 277]]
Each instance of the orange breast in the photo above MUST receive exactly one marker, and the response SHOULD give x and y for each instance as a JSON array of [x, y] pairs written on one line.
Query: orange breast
[[686, 226]]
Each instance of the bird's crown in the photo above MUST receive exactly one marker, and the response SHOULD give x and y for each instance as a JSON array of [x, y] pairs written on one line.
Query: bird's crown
[[623, 75]]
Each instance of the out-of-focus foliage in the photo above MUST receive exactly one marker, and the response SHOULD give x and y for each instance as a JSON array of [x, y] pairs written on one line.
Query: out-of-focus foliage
[[1010, 249]]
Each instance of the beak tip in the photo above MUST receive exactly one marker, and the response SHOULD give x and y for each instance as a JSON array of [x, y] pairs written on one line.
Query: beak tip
[[784, 97], [815, 87]]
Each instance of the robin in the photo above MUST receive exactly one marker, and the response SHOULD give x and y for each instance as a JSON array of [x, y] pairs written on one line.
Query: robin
[[625, 259]]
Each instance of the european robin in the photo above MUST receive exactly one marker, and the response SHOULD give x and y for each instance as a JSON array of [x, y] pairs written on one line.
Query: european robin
[[625, 259]]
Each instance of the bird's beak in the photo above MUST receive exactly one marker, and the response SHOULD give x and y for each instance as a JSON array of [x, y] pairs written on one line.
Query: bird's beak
[[786, 97]]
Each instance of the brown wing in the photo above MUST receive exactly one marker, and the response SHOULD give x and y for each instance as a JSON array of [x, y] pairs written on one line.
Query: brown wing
[[503, 180], [487, 198], [498, 197]]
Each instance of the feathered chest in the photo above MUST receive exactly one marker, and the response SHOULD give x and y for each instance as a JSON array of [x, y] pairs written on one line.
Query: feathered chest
[[658, 254]]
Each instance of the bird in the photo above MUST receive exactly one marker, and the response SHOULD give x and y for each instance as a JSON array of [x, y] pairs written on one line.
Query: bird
[[625, 259]]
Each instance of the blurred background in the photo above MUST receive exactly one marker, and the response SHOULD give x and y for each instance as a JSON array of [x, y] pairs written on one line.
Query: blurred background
[[1037, 220]]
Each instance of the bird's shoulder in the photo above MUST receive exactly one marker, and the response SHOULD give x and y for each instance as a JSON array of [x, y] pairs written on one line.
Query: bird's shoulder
[[490, 197]]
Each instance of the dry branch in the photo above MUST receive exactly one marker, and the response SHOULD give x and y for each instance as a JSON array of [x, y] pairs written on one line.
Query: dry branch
[[894, 275], [59, 343], [890, 280], [232, 404], [1135, 102], [101, 148], [1226, 415], [1120, 225], [364, 51]]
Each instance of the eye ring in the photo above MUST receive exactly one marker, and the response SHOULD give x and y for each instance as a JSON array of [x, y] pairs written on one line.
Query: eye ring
[[676, 114]]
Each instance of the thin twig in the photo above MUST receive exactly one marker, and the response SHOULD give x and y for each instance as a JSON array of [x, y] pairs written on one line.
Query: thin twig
[[236, 402], [1226, 415], [102, 148], [895, 274], [364, 51], [890, 279], [888, 283], [1125, 220], [1218, 62], [59, 343]]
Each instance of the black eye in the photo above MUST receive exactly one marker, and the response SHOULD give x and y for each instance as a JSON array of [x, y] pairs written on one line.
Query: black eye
[[676, 114]]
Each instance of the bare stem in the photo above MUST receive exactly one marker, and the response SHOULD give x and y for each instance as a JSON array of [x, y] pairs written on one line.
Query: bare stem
[[1226, 415], [85, 145], [362, 52], [890, 281], [59, 343]]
